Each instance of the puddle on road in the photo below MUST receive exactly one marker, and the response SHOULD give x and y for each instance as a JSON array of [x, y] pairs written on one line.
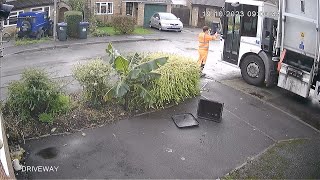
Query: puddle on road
[[48, 153]]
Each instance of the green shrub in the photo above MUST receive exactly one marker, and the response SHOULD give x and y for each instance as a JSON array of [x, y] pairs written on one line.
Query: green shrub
[[93, 24], [123, 24], [94, 77], [179, 80], [99, 33], [73, 18], [46, 118], [77, 5], [60, 105], [35, 94], [100, 23]]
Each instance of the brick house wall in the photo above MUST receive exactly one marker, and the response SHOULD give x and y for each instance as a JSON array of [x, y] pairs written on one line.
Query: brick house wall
[[140, 18], [3, 175], [119, 8], [107, 18], [5, 155]]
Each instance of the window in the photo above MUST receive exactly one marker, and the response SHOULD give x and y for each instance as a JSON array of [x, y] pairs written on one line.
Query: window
[[129, 8], [12, 19], [104, 8], [249, 22], [45, 9]]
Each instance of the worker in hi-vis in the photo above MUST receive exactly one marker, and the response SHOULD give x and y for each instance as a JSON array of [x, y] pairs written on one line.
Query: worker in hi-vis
[[204, 38]]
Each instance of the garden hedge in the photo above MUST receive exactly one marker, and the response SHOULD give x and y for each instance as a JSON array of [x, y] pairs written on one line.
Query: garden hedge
[[123, 24], [73, 18], [180, 79]]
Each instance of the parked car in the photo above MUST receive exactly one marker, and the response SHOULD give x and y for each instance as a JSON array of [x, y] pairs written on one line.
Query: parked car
[[166, 21], [34, 25]]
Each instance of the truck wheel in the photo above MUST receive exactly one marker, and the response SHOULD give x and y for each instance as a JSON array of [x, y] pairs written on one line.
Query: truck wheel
[[26, 26], [253, 70]]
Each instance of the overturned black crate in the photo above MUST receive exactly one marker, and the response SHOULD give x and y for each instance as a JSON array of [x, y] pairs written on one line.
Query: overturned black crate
[[210, 110], [185, 120]]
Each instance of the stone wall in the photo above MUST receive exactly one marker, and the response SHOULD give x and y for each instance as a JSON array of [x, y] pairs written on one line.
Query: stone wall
[[107, 18]]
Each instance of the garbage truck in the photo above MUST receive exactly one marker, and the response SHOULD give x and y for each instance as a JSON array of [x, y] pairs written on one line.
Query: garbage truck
[[274, 45]]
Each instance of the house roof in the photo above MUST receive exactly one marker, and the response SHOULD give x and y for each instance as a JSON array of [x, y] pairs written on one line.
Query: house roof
[[21, 4], [217, 3]]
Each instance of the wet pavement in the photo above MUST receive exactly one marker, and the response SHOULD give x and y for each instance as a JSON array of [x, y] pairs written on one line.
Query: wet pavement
[[151, 146]]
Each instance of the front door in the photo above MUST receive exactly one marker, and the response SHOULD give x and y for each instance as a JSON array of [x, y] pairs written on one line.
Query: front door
[[232, 34]]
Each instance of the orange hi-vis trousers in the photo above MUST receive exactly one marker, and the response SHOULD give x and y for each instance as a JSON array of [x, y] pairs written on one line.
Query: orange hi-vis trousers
[[203, 54], [204, 47]]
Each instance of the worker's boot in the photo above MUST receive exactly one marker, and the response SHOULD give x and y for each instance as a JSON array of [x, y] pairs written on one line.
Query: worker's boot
[[201, 69]]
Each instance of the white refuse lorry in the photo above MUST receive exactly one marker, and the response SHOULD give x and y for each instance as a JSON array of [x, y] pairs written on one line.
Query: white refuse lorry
[[274, 44]]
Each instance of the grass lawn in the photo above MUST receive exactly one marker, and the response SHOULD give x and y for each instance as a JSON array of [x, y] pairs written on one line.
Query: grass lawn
[[138, 30], [291, 159], [26, 41]]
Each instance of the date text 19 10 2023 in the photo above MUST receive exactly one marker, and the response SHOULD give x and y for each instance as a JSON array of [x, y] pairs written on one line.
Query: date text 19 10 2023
[[241, 13]]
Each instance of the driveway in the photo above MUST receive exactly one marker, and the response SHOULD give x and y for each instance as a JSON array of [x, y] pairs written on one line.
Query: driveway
[[151, 146]]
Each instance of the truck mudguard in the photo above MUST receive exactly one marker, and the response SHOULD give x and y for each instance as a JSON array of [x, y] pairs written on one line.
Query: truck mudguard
[[270, 69]]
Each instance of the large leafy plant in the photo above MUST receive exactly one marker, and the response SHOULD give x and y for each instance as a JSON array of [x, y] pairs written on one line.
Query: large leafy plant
[[133, 76]]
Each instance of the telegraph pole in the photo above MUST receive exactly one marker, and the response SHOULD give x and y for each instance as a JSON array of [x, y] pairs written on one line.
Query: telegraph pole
[[1, 55], [55, 21]]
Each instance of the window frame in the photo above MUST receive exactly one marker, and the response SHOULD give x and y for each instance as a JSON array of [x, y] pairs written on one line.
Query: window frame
[[43, 9], [129, 8], [98, 11], [14, 16]]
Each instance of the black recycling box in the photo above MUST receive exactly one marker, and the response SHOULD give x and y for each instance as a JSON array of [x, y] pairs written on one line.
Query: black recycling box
[[210, 110]]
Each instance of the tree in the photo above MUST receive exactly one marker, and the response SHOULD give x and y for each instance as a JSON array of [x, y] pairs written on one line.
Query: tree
[[77, 5]]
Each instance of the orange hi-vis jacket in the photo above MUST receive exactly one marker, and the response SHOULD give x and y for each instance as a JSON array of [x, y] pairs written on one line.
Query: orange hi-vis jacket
[[204, 40]]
